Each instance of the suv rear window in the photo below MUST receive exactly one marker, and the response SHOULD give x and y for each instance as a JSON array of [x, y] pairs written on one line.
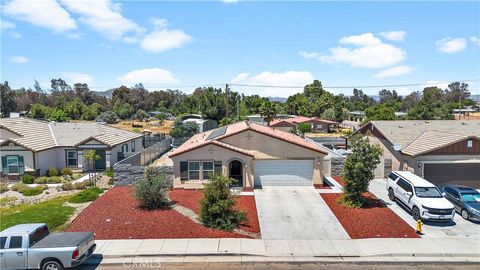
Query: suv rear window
[[393, 176]]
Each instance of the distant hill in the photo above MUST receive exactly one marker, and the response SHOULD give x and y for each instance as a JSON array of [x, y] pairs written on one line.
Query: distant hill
[[277, 99], [107, 94]]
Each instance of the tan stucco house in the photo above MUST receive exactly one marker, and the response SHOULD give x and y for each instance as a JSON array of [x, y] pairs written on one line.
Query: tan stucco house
[[441, 151], [33, 146], [316, 124], [253, 154]]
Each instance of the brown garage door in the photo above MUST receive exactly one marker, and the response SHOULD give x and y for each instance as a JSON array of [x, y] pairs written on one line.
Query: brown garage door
[[467, 174]]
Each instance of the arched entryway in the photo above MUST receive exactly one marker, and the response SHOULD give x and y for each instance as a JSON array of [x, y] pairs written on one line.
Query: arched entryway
[[235, 171]]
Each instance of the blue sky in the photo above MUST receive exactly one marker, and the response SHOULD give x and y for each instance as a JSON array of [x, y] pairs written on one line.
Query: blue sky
[[185, 44]]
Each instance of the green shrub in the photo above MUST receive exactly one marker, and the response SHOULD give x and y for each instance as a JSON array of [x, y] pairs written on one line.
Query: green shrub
[[19, 187], [216, 206], [3, 187], [42, 187], [66, 171], [32, 191], [41, 180], [67, 186], [28, 179], [152, 191], [80, 185], [86, 195], [54, 180], [109, 172], [52, 172]]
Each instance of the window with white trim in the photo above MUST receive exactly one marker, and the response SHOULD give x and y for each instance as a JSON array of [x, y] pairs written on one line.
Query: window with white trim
[[207, 169], [72, 159], [14, 164], [469, 143], [124, 148], [194, 170]]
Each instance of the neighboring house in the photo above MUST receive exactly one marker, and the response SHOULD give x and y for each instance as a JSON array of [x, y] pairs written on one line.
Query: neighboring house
[[32, 146], [258, 119], [203, 124], [318, 125], [253, 154], [441, 151]]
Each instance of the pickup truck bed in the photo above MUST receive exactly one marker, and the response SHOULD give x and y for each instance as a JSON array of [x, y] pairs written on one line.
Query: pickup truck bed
[[63, 240]]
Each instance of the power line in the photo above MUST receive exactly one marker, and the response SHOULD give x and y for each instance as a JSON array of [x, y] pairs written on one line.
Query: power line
[[351, 86]]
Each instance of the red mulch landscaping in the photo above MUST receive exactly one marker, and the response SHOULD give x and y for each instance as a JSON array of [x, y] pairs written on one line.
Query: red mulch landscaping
[[321, 186], [373, 220], [116, 215], [191, 199]]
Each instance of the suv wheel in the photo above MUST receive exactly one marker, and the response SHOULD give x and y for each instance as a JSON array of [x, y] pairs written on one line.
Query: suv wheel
[[416, 213], [52, 265], [391, 194], [464, 214]]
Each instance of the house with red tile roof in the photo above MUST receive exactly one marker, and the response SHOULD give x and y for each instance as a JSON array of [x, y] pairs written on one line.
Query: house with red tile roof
[[252, 154], [318, 125]]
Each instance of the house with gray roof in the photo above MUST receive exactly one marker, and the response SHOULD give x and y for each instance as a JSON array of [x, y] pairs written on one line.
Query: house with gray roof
[[441, 151], [32, 146]]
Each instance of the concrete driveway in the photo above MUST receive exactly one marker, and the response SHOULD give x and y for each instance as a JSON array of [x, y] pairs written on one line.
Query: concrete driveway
[[296, 212], [459, 228]]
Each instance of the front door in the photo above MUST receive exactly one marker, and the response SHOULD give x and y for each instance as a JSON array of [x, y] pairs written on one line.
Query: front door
[[101, 163], [236, 172]]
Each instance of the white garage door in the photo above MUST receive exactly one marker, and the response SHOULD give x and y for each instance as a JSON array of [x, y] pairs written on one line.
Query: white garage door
[[283, 172]]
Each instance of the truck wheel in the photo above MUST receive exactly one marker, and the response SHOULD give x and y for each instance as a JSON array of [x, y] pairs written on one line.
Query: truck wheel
[[416, 213], [391, 194], [52, 265], [464, 214]]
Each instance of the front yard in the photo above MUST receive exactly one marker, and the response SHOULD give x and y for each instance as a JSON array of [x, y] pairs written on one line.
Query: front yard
[[373, 220], [116, 215]]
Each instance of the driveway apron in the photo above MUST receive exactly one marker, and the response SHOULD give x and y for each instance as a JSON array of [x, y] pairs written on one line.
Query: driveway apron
[[296, 212]]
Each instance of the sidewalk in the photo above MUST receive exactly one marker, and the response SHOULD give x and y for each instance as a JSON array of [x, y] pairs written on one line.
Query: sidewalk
[[227, 250]]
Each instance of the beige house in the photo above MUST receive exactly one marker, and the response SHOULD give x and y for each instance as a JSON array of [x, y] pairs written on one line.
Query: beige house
[[441, 151], [252, 154], [32, 146]]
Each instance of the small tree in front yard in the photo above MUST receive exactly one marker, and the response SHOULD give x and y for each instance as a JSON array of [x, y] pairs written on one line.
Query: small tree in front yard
[[90, 157], [216, 206], [152, 191], [304, 128], [358, 171]]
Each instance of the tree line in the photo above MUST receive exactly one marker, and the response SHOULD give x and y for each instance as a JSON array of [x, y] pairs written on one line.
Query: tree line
[[62, 102]]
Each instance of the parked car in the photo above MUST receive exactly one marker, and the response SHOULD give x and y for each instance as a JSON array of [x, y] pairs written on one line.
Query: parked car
[[465, 199], [28, 246], [423, 198]]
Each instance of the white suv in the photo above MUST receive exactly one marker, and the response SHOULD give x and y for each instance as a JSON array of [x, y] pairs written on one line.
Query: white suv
[[423, 198]]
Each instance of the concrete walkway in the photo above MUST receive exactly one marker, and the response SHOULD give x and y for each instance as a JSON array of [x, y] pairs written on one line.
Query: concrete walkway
[[459, 228], [296, 212], [293, 249]]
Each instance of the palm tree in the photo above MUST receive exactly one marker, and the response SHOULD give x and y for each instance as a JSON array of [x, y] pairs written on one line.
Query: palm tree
[[268, 111]]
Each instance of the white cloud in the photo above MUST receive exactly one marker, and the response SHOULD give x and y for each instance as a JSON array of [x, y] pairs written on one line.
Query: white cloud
[[73, 77], [4, 25], [149, 77], [163, 39], [394, 71], [103, 16], [230, 1], [394, 35], [18, 59], [287, 78], [46, 13], [367, 39], [451, 45], [366, 51], [475, 40]]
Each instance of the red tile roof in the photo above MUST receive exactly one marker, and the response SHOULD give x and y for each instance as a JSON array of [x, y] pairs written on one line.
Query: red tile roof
[[200, 140]]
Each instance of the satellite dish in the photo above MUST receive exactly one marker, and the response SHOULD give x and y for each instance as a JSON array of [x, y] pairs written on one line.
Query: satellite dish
[[397, 147]]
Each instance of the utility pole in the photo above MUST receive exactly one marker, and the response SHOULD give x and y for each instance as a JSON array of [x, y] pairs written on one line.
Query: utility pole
[[238, 109], [459, 104], [226, 100]]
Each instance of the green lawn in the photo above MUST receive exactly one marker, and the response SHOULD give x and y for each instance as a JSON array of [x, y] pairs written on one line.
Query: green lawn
[[52, 212]]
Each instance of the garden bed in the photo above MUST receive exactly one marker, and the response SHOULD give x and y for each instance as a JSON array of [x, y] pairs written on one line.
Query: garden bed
[[373, 220], [116, 215], [191, 199]]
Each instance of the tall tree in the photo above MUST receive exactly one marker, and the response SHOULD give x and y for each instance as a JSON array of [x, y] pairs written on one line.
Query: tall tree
[[7, 100], [268, 111]]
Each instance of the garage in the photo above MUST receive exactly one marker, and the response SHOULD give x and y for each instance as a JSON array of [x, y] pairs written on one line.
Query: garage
[[467, 174], [283, 172]]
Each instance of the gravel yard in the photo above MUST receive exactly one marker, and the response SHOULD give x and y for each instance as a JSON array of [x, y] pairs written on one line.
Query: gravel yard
[[116, 215]]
